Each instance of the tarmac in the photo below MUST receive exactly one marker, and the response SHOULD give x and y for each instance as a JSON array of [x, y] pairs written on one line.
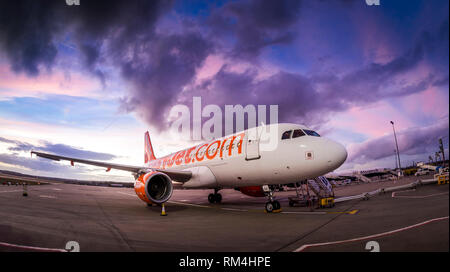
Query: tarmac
[[114, 219]]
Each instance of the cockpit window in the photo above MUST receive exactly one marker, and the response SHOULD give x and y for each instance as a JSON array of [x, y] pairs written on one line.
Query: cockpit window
[[311, 133], [286, 135], [297, 133]]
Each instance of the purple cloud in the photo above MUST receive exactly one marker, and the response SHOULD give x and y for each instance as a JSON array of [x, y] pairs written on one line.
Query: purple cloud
[[418, 140], [160, 63], [255, 25], [36, 164], [60, 149]]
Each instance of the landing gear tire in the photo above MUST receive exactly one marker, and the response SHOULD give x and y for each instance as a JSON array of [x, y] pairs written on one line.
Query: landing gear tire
[[214, 198], [276, 205], [211, 198], [218, 198], [269, 207]]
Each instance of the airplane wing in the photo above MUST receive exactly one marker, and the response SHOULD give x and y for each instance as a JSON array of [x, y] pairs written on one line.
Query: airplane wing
[[177, 175]]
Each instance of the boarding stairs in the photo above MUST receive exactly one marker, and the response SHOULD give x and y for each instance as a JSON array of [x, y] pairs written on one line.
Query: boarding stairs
[[363, 178], [321, 187]]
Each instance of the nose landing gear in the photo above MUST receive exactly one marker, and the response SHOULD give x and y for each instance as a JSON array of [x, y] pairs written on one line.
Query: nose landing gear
[[215, 198], [272, 205]]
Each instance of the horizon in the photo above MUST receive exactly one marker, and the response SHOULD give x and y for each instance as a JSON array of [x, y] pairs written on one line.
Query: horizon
[[75, 83]]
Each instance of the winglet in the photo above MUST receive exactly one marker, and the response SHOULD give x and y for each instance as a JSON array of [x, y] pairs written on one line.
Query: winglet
[[149, 154]]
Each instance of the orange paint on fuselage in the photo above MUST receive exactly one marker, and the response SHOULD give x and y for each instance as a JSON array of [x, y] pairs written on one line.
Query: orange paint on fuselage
[[202, 152]]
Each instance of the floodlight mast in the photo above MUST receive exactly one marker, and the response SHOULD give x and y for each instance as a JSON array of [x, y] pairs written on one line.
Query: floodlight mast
[[398, 153]]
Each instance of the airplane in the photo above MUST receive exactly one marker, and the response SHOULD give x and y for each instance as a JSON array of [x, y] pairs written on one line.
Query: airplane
[[241, 161]]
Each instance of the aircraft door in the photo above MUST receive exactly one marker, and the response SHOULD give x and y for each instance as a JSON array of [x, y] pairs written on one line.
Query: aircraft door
[[252, 145]]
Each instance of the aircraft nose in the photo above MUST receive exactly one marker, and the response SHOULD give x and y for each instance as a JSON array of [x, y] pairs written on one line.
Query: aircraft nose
[[337, 154]]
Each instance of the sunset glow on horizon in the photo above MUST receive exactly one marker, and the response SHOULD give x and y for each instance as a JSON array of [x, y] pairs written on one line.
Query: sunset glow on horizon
[[76, 83]]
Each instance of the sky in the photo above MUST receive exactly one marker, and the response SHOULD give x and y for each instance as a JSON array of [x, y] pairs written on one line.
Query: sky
[[89, 80]]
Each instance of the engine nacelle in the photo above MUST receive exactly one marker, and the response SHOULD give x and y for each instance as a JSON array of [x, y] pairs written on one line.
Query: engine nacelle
[[255, 191], [153, 187]]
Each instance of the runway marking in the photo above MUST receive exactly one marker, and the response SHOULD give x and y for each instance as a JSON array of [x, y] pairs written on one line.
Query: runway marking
[[346, 212], [247, 210], [349, 212], [183, 202], [394, 193], [303, 247], [305, 212], [11, 191], [56, 189], [133, 195], [43, 249], [233, 209], [189, 204], [47, 196], [415, 197]]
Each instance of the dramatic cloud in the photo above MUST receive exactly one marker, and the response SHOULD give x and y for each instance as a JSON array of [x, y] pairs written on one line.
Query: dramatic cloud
[[312, 99], [158, 70], [59, 149], [36, 164], [160, 62], [412, 141], [157, 64], [31, 31], [255, 24]]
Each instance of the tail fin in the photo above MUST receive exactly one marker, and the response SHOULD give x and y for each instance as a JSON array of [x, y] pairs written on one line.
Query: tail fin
[[149, 154]]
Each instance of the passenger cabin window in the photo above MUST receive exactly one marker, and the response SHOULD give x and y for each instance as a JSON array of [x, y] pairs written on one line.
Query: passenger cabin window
[[297, 133], [311, 133], [286, 135]]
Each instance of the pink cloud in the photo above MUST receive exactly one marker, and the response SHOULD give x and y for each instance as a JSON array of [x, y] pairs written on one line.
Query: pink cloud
[[58, 82], [377, 41], [372, 121], [210, 67], [213, 64], [432, 102]]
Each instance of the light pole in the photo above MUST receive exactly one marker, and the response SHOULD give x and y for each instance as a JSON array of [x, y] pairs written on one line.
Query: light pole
[[441, 147], [398, 153], [395, 157]]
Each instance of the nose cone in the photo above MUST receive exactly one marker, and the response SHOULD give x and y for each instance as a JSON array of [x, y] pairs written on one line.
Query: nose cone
[[336, 154]]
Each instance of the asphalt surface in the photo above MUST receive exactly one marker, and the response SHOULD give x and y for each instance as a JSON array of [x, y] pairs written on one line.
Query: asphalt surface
[[114, 219]]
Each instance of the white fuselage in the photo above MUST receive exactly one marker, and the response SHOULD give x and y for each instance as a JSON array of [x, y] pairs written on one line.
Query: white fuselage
[[257, 157]]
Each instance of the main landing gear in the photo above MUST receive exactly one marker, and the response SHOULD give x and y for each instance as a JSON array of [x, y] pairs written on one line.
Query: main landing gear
[[272, 205], [215, 198]]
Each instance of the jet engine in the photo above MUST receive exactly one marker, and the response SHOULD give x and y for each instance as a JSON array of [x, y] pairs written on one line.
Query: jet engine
[[154, 187]]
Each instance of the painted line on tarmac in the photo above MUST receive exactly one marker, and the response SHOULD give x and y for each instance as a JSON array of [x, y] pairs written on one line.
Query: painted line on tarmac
[[42, 249], [182, 202], [345, 212], [47, 196], [189, 204], [257, 210], [11, 191], [416, 197], [303, 247], [234, 209], [133, 195], [305, 212], [395, 193]]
